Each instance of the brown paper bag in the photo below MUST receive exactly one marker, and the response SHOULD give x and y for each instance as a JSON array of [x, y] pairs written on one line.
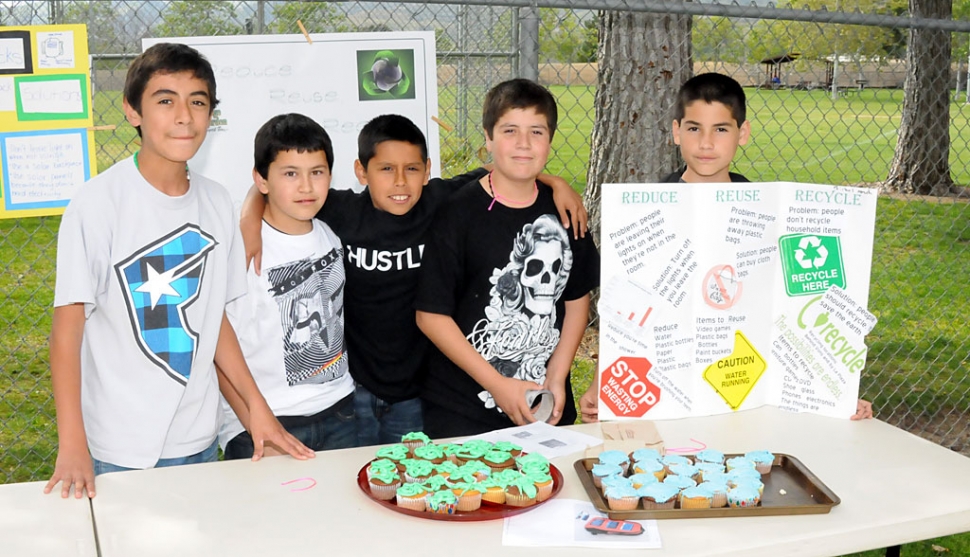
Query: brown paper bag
[[628, 436]]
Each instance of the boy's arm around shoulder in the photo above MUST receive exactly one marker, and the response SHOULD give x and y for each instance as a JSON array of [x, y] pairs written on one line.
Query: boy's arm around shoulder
[[509, 393], [73, 465], [263, 425]]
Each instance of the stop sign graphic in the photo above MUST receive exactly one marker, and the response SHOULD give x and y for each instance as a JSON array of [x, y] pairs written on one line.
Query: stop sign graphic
[[625, 389]]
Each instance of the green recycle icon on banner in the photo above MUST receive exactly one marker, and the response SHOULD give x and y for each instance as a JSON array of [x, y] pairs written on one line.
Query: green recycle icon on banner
[[811, 263], [811, 253]]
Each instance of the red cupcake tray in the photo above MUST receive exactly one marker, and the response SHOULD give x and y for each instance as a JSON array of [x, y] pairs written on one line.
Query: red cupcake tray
[[488, 510]]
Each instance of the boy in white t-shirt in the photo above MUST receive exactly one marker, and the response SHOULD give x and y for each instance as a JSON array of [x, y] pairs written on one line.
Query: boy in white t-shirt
[[291, 323], [148, 256]]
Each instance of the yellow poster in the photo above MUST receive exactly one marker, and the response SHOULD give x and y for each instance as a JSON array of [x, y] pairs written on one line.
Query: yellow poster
[[46, 141]]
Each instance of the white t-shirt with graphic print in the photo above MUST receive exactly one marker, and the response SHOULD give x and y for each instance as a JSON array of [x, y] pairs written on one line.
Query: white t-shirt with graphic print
[[154, 273], [291, 325]]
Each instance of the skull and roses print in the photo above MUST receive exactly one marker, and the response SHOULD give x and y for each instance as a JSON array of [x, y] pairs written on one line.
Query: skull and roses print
[[504, 274]]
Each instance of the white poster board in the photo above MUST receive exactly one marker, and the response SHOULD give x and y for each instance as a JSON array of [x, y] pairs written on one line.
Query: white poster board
[[724, 297], [329, 80]]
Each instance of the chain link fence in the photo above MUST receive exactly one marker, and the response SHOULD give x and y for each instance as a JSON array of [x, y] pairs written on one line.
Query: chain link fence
[[824, 80]]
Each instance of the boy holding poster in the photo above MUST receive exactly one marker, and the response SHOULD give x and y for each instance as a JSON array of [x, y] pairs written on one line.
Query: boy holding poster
[[148, 256], [504, 293], [709, 125]]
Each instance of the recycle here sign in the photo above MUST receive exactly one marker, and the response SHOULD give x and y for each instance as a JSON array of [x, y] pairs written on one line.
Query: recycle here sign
[[811, 263]]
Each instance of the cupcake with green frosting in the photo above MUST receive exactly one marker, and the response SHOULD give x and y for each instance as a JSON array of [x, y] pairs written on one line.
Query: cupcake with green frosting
[[412, 496], [469, 495], [498, 460], [417, 471], [450, 450], [442, 502], [508, 447], [521, 493], [381, 465], [437, 483], [494, 490], [543, 483], [432, 453], [415, 439], [477, 467], [383, 485], [446, 468], [395, 453]]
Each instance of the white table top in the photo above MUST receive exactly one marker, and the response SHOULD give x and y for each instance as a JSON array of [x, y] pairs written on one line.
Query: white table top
[[240, 509], [35, 524]]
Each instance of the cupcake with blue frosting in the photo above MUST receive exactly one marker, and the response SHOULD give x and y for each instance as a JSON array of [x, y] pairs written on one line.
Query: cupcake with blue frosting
[[696, 498], [710, 455], [618, 458], [601, 471], [763, 460], [658, 496], [743, 496], [622, 498]]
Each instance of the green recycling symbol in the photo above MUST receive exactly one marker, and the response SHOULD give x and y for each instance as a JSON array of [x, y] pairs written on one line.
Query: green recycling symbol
[[811, 263], [811, 253]]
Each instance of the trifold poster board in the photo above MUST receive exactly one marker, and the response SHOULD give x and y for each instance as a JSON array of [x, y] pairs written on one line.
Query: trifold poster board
[[724, 297], [46, 144], [341, 80]]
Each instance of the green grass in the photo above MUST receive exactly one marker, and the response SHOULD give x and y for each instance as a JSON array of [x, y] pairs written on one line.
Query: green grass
[[918, 355], [800, 136]]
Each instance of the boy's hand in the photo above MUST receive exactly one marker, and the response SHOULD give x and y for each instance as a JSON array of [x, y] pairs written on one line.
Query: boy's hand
[[569, 204], [863, 410], [588, 405], [265, 428], [558, 390], [509, 395], [73, 468]]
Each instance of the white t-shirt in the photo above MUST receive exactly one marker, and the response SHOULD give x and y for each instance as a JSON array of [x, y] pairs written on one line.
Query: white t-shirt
[[154, 273], [291, 325]]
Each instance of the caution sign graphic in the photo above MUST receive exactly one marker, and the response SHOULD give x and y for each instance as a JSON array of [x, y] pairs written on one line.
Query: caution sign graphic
[[734, 376]]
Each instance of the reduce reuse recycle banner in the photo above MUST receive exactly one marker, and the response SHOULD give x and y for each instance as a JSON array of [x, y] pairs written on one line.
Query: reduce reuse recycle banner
[[724, 297]]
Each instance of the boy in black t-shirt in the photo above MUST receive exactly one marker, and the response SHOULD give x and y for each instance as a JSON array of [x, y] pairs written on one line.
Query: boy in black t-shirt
[[383, 230], [504, 293]]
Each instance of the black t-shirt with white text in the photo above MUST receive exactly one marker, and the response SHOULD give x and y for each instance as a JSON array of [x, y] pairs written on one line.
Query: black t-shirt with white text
[[504, 274], [382, 257]]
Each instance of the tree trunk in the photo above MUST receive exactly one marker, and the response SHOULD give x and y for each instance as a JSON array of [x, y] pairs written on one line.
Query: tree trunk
[[921, 163], [643, 60]]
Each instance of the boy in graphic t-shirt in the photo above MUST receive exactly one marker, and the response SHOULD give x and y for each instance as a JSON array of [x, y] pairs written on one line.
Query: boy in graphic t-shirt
[[384, 229], [291, 323], [504, 291]]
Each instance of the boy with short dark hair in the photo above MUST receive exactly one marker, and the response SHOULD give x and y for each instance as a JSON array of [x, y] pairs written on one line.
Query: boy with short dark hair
[[504, 293], [148, 256], [384, 230], [709, 125], [291, 324]]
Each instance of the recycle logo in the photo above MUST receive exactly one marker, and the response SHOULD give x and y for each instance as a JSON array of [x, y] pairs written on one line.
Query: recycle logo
[[811, 263], [811, 253]]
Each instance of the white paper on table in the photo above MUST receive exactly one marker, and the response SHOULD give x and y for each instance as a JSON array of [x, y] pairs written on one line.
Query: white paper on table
[[561, 523], [540, 437]]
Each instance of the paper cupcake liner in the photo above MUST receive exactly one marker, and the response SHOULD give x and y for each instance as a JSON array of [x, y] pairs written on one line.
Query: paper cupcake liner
[[444, 508], [494, 496], [719, 500], [519, 500], [623, 503], [695, 502], [384, 492], [408, 478], [763, 467], [412, 503], [651, 505], [470, 501], [544, 491]]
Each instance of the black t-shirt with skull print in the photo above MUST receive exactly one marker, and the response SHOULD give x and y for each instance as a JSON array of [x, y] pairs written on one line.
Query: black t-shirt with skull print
[[504, 275]]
